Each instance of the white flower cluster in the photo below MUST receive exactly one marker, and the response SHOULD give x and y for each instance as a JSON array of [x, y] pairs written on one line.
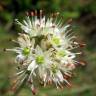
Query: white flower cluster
[[45, 52]]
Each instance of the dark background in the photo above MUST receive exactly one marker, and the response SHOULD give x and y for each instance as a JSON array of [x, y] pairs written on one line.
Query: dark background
[[83, 13]]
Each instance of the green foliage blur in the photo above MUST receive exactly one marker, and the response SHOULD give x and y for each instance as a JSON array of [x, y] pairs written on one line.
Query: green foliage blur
[[83, 13]]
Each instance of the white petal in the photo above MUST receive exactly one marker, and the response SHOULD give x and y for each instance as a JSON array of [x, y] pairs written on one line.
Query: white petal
[[32, 66], [60, 76], [20, 58]]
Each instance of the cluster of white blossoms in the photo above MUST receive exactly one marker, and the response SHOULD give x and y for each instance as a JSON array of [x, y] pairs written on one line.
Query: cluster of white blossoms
[[45, 52]]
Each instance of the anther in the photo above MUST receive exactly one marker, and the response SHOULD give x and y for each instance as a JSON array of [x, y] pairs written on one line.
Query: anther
[[32, 13], [83, 63], [35, 12], [82, 45], [27, 13], [33, 90], [69, 21], [41, 12], [4, 49]]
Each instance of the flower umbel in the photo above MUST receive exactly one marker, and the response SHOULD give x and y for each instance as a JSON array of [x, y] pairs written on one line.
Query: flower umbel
[[51, 57]]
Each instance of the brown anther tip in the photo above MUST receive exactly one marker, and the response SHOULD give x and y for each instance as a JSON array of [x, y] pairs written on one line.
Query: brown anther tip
[[35, 12], [14, 82], [57, 13], [53, 15], [61, 87], [13, 89], [82, 45], [83, 63], [4, 49], [10, 39], [53, 26], [29, 81], [69, 21], [81, 53], [69, 85], [32, 13], [67, 76], [34, 91], [41, 11], [49, 82], [41, 83], [27, 13], [18, 67], [38, 25]]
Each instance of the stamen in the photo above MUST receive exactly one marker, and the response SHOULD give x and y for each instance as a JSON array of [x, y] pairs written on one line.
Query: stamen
[[83, 63], [29, 81], [27, 13], [14, 41], [49, 82], [61, 87], [69, 85], [4, 49], [32, 13], [41, 13], [82, 45], [33, 90], [79, 53], [8, 49], [54, 15], [35, 12], [67, 75], [69, 21]]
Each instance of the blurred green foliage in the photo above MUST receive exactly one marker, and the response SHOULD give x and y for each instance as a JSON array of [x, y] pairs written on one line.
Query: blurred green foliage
[[83, 13]]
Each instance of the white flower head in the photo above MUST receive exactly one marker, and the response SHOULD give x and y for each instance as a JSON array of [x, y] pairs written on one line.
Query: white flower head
[[46, 51]]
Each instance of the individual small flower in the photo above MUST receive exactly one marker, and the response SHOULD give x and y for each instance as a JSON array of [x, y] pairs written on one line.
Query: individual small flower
[[61, 38], [42, 61], [64, 55], [26, 46]]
